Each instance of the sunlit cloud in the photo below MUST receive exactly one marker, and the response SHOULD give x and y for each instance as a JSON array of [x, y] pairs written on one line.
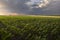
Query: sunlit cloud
[[44, 3], [38, 3]]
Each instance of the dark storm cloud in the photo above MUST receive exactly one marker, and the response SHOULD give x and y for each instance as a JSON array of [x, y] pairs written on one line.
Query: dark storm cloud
[[52, 9], [19, 6], [16, 5]]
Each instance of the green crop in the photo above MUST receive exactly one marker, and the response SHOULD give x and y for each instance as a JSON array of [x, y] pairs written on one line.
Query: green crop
[[29, 28]]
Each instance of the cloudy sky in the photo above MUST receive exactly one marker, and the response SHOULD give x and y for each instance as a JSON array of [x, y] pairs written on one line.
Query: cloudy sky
[[35, 7]]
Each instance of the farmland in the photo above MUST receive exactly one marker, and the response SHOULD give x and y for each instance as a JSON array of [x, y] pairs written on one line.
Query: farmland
[[29, 27]]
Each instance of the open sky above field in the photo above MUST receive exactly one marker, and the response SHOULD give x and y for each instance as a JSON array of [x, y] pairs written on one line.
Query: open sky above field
[[36, 7]]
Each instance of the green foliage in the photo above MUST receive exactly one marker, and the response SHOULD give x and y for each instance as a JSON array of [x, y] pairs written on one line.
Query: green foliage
[[29, 28]]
